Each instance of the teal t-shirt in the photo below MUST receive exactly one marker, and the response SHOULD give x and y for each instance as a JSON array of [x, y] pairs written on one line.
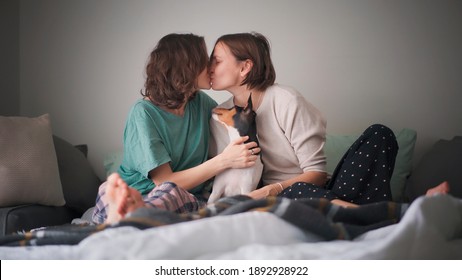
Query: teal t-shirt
[[153, 137]]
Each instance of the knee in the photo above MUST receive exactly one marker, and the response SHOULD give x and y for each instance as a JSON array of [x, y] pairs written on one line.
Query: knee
[[171, 188], [379, 129], [382, 133], [165, 187]]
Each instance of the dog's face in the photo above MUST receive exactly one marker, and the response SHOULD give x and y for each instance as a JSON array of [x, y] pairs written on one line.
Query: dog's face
[[243, 119]]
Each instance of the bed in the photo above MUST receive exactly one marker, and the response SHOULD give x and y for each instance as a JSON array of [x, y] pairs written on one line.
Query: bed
[[431, 228]]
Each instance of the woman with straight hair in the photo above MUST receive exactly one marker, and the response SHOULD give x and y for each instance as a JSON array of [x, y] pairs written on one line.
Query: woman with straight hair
[[292, 132]]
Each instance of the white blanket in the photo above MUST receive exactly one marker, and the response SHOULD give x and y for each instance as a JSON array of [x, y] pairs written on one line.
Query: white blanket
[[430, 229]]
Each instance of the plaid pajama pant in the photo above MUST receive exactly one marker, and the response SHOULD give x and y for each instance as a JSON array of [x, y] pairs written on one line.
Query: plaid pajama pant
[[166, 196]]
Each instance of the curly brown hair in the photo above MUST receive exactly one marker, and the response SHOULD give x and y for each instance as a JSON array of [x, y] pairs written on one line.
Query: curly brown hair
[[256, 47], [173, 68]]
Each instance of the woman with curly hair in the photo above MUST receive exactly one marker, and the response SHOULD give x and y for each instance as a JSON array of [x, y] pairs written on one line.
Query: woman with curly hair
[[166, 135]]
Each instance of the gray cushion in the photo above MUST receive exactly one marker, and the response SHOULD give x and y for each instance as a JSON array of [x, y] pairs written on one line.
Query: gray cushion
[[79, 181], [79, 185], [28, 168], [440, 163]]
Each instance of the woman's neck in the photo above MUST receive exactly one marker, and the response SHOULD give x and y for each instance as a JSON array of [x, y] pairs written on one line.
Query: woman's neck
[[179, 111], [242, 96]]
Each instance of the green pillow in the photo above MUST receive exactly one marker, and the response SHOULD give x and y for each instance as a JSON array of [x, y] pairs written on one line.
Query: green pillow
[[112, 162], [337, 145]]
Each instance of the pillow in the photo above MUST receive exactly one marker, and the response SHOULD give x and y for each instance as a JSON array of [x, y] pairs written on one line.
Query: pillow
[[28, 165], [79, 181], [337, 145], [440, 163]]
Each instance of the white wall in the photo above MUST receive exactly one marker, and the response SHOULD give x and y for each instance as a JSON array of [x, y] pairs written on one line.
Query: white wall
[[359, 61]]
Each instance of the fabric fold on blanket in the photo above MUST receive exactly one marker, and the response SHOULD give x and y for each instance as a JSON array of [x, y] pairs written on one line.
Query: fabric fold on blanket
[[317, 216]]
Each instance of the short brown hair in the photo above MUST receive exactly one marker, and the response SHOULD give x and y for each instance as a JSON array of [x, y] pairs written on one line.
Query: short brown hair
[[173, 68], [256, 47]]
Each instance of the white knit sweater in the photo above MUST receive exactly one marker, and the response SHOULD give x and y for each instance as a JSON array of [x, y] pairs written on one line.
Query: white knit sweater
[[291, 132]]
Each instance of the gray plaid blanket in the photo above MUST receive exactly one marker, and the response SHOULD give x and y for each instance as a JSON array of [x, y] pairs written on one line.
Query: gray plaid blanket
[[317, 216]]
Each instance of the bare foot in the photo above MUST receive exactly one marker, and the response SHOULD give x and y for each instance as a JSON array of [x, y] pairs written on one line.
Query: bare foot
[[442, 188], [121, 199]]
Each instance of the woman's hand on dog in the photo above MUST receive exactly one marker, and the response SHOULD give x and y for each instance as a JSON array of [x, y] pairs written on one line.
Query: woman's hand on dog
[[240, 155], [265, 191]]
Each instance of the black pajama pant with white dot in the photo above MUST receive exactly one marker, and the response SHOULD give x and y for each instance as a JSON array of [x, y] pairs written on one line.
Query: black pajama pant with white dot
[[363, 174]]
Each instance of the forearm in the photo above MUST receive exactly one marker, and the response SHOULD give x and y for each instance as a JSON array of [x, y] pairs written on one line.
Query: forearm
[[313, 177], [189, 178], [316, 178], [235, 155]]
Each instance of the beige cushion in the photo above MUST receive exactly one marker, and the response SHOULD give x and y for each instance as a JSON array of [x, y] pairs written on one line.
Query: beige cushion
[[28, 165]]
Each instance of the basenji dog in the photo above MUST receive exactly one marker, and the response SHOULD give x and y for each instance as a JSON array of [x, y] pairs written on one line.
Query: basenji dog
[[238, 122]]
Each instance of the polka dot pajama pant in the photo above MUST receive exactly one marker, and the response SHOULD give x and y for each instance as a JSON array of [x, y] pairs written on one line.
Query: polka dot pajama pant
[[363, 174]]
